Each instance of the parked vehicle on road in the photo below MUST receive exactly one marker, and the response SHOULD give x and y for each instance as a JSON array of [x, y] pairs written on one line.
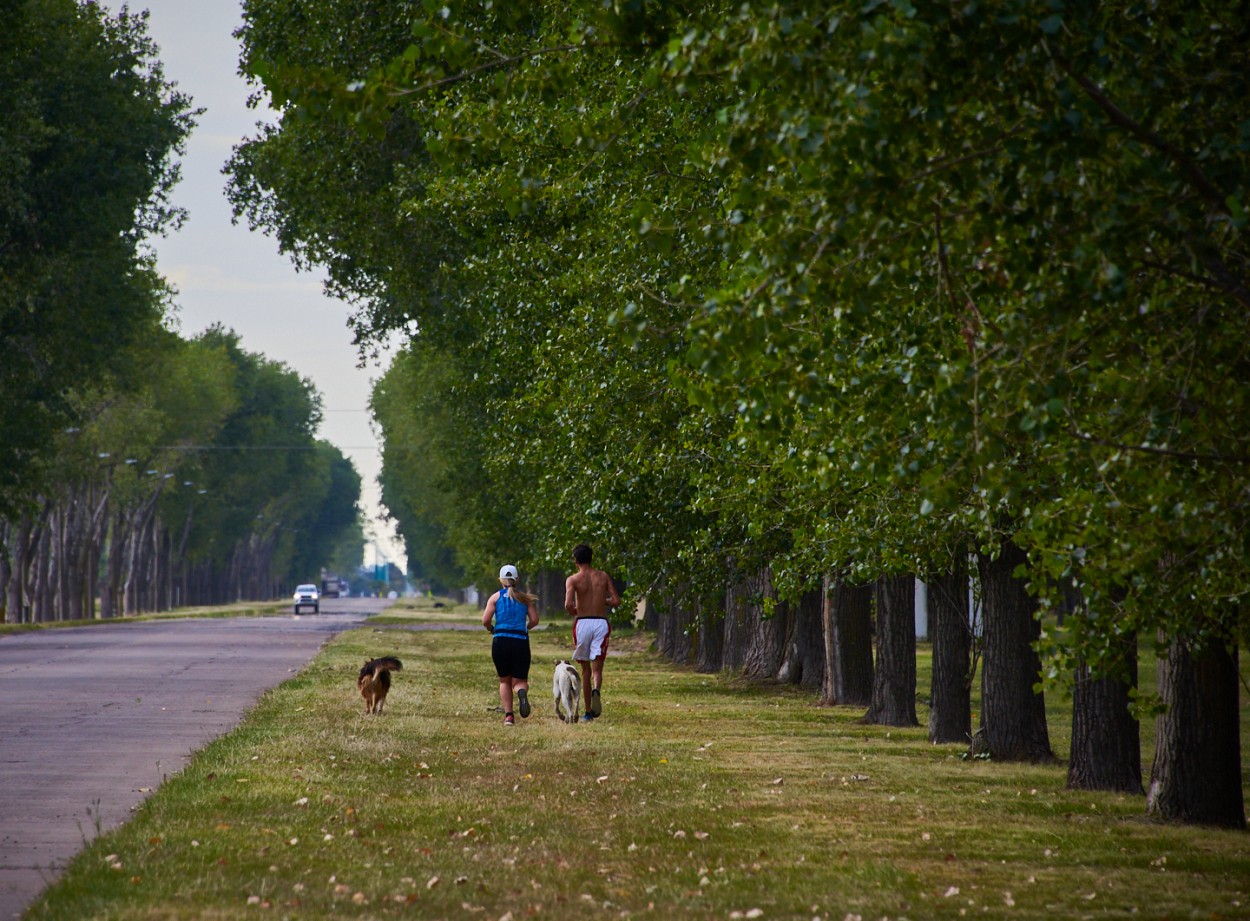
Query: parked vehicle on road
[[332, 586], [307, 597]]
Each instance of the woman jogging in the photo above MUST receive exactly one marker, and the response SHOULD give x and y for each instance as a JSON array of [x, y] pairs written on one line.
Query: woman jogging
[[510, 615]]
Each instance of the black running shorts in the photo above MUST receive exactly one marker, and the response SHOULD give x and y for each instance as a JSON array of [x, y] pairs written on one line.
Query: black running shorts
[[512, 657]]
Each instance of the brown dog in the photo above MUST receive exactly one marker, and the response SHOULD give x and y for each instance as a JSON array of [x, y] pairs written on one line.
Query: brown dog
[[375, 681]]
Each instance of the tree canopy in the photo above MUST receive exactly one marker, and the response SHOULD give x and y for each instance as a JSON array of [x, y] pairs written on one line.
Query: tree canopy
[[87, 148], [820, 287]]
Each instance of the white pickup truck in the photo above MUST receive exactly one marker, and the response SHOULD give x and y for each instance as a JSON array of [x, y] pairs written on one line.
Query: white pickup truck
[[307, 596]]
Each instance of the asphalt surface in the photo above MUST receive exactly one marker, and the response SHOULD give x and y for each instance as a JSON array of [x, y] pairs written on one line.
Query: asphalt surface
[[95, 718]]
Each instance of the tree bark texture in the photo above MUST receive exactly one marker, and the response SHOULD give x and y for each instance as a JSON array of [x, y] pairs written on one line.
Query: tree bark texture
[[950, 631], [848, 641], [804, 662], [550, 586], [765, 634], [1106, 737], [675, 617], [1196, 775], [735, 634], [1013, 715], [894, 684], [710, 640]]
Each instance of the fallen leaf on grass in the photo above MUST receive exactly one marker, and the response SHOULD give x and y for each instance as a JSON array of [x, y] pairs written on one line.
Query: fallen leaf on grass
[[953, 890], [434, 881]]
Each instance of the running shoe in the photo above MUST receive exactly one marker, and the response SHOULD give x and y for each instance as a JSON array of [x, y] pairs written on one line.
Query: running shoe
[[508, 720], [524, 702], [587, 717], [596, 706]]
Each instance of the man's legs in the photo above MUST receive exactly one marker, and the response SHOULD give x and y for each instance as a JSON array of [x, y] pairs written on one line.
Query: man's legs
[[592, 681], [596, 670], [585, 665]]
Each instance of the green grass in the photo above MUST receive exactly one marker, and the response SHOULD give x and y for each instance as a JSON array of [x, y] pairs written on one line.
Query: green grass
[[240, 609], [696, 796]]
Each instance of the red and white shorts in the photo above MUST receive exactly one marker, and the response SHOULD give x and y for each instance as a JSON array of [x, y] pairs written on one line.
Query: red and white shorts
[[590, 638]]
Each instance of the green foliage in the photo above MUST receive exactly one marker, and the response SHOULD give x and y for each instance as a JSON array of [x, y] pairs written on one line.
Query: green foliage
[[718, 286], [86, 147]]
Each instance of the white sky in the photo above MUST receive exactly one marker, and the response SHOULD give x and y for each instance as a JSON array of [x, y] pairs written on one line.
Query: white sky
[[228, 274]]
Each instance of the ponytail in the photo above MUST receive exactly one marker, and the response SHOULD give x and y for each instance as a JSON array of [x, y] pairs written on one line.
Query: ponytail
[[517, 595]]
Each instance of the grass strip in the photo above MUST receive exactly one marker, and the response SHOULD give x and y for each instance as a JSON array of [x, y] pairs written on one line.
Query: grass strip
[[695, 796], [239, 609]]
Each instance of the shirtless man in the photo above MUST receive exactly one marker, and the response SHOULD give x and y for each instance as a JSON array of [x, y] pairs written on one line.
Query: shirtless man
[[587, 595]]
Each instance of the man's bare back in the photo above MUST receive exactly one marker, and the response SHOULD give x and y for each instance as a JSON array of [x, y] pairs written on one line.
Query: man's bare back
[[589, 592]]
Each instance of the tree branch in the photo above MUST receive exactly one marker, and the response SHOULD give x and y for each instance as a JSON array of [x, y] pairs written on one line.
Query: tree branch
[[1163, 452]]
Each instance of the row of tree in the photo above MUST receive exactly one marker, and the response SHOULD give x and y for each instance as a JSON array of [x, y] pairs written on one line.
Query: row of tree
[[810, 297], [138, 470]]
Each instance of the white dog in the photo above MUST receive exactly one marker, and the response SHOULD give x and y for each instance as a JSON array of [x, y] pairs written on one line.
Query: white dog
[[566, 688]]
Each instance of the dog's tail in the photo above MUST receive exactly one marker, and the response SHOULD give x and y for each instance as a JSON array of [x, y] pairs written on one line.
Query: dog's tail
[[383, 664]]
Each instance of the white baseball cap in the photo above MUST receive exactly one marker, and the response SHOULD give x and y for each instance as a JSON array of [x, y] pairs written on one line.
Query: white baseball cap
[[507, 572]]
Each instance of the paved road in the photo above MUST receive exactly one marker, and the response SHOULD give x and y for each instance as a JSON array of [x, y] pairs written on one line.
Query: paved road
[[83, 739]]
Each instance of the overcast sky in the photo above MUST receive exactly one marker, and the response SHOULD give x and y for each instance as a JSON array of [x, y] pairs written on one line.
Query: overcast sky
[[227, 274]]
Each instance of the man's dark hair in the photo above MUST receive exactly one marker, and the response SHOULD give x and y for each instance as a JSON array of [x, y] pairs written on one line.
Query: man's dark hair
[[582, 553]]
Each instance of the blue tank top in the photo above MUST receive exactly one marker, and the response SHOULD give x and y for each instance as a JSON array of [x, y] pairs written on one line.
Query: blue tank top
[[511, 617]]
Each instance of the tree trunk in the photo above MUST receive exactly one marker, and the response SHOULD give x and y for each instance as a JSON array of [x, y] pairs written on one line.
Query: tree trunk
[[1013, 715], [950, 630], [42, 593], [1196, 776], [1106, 737], [672, 640], [804, 663], [6, 569], [650, 618], [734, 649], [848, 644], [709, 652], [15, 590], [766, 634], [894, 684]]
